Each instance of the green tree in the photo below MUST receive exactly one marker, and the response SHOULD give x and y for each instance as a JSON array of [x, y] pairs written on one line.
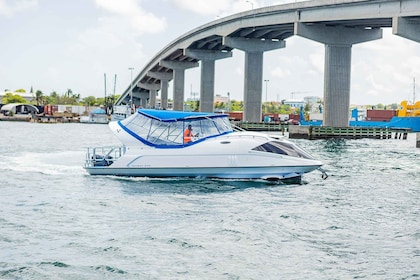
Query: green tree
[[20, 90], [284, 109], [236, 105], [39, 97], [393, 106], [220, 106], [53, 98], [68, 98], [90, 100], [12, 98]]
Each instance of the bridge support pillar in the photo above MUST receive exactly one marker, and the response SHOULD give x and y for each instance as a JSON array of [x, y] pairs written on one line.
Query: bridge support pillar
[[164, 81], [179, 68], [338, 43], [164, 84], [152, 88], [254, 51], [143, 97], [404, 27], [207, 59]]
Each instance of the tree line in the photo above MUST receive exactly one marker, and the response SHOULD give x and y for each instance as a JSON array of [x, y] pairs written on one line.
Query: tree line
[[66, 98], [71, 98]]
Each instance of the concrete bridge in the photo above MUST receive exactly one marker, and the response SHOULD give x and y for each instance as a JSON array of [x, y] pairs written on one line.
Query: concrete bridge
[[338, 24]]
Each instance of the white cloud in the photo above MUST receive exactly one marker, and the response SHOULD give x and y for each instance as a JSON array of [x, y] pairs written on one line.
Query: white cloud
[[384, 69], [10, 8], [133, 15], [203, 7], [218, 8], [280, 72]]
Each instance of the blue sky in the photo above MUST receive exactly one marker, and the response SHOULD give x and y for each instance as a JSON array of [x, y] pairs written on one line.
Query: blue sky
[[54, 45]]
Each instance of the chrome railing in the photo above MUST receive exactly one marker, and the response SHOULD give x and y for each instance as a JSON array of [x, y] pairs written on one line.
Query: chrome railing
[[103, 156]]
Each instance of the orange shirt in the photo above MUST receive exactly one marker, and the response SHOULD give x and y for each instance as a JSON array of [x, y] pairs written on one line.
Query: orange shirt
[[188, 136]]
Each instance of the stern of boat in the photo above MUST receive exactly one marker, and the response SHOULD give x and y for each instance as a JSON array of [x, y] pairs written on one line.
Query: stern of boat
[[102, 157]]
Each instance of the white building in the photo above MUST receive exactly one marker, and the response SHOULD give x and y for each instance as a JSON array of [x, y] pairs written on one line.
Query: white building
[[295, 103], [221, 99]]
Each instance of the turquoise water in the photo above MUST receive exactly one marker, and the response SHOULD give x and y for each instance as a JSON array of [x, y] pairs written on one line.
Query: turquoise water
[[57, 222]]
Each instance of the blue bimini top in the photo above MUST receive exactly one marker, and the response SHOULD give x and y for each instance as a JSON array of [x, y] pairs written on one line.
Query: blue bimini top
[[165, 129]]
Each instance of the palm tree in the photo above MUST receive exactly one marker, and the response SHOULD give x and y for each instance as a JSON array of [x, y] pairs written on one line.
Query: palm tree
[[39, 97]]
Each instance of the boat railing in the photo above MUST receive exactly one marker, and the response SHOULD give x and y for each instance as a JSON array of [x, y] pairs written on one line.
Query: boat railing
[[236, 127], [103, 156]]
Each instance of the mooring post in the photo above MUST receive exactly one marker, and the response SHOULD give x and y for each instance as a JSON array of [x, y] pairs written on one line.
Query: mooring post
[[418, 139]]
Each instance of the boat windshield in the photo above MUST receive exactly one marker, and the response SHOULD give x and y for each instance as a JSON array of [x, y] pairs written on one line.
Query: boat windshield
[[283, 148], [166, 129]]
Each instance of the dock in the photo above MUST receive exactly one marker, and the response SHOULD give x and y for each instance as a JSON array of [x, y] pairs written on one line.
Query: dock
[[351, 132], [263, 126]]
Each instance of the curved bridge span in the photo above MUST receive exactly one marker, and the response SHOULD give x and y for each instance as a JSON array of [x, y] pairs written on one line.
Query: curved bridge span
[[338, 24]]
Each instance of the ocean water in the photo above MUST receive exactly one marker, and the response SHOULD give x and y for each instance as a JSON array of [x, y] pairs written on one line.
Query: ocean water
[[57, 222]]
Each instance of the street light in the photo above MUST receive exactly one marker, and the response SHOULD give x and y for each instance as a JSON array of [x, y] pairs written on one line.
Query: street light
[[266, 86], [228, 108], [266, 89], [253, 13], [131, 86]]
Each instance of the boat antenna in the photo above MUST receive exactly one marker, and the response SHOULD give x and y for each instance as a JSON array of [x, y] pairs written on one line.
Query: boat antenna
[[414, 90]]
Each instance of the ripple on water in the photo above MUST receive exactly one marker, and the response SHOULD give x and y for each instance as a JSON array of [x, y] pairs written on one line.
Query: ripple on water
[[58, 222]]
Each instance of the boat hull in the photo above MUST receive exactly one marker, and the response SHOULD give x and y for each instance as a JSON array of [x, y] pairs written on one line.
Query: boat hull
[[283, 172]]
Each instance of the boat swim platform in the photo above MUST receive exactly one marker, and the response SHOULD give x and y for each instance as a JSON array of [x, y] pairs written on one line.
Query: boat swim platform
[[351, 132]]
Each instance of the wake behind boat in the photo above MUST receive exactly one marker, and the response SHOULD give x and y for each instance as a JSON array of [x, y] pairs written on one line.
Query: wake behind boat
[[158, 143]]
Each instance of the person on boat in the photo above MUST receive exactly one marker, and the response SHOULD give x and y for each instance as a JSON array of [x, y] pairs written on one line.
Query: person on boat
[[188, 134]]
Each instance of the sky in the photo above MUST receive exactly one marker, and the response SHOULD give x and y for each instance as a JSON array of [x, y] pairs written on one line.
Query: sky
[[55, 45]]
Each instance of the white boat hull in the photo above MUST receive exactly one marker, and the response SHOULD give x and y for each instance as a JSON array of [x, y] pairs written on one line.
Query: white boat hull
[[225, 157], [207, 172]]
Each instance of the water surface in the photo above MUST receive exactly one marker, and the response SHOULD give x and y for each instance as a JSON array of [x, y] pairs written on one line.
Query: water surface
[[57, 222]]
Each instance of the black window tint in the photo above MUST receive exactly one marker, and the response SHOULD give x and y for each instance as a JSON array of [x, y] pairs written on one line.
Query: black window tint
[[270, 147], [282, 148]]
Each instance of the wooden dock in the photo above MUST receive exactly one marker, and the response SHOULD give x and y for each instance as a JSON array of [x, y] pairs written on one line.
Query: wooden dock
[[351, 132]]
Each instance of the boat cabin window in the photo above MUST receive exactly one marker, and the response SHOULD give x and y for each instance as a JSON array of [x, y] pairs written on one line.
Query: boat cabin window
[[283, 148], [156, 132]]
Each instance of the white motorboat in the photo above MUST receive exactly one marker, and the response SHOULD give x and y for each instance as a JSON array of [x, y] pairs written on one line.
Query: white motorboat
[[156, 143]]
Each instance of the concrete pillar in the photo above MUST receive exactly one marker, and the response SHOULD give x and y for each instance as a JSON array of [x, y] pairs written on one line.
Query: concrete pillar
[[143, 97], [164, 84], [337, 85], [178, 68], [404, 27], [253, 77], [164, 78], [207, 58], [152, 88], [143, 102], [338, 42]]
